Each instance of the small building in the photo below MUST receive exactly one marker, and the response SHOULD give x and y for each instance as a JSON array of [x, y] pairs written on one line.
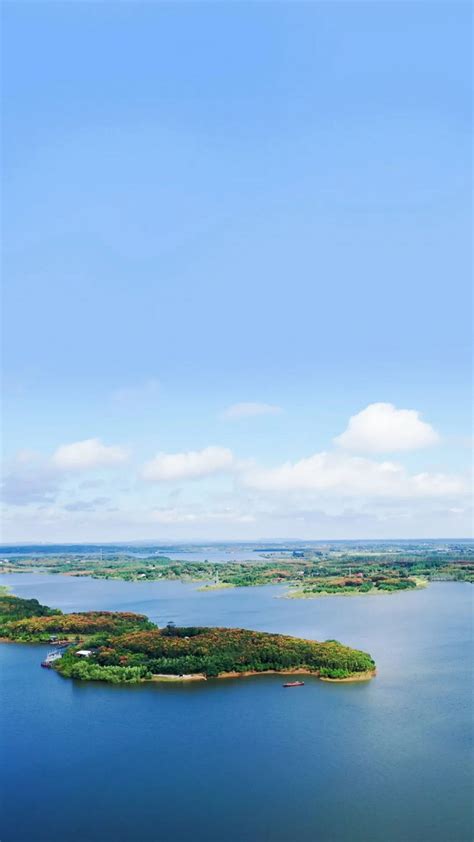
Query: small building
[[84, 653]]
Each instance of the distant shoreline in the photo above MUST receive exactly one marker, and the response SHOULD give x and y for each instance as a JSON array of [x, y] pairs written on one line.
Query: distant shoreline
[[220, 586]]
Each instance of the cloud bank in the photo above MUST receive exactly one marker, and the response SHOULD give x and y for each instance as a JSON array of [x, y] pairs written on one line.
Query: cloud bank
[[351, 476], [347, 491]]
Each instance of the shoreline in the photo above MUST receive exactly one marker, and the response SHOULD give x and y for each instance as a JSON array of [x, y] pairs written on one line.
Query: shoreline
[[356, 676], [160, 677], [157, 678], [204, 585], [293, 592], [219, 587]]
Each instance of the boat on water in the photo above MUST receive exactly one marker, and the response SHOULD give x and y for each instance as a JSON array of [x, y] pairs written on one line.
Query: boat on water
[[294, 684], [51, 657]]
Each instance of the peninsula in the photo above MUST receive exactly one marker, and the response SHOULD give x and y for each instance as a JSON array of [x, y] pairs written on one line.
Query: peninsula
[[122, 647]]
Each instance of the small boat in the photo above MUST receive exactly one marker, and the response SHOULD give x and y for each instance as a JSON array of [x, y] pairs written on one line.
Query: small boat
[[294, 684], [51, 657]]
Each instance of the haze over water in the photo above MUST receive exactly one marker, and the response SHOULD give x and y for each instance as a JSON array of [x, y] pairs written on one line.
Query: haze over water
[[245, 760]]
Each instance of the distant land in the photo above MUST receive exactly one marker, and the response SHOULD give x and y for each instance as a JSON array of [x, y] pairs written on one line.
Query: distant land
[[230, 546], [308, 569]]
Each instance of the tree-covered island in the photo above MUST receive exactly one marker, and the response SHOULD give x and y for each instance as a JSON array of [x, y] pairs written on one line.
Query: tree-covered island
[[128, 648]]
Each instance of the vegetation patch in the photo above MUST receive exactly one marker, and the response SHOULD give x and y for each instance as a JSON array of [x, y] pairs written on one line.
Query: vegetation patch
[[359, 584], [26, 620], [210, 651]]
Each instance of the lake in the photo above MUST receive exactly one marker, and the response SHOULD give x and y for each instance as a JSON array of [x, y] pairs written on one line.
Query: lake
[[244, 760]]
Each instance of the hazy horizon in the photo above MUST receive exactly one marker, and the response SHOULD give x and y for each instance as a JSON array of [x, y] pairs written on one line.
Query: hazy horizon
[[236, 542]]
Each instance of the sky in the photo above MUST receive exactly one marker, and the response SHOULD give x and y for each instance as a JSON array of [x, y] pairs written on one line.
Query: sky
[[236, 270]]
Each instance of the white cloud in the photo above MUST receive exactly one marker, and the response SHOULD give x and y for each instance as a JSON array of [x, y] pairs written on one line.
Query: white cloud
[[87, 454], [279, 521], [32, 478], [382, 428], [249, 410], [352, 476], [167, 467]]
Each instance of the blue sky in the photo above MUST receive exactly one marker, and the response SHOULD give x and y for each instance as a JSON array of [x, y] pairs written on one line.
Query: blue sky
[[216, 204]]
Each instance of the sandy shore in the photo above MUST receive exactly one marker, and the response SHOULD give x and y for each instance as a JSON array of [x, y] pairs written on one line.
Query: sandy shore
[[192, 677], [358, 676]]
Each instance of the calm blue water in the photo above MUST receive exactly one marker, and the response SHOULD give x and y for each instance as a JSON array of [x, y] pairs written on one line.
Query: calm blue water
[[245, 760]]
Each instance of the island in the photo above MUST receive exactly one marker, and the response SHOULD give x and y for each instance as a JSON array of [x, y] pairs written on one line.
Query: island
[[123, 647]]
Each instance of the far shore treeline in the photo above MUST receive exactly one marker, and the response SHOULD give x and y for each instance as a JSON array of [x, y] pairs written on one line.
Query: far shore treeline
[[323, 569]]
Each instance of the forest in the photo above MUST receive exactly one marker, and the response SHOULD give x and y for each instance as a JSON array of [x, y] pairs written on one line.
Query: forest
[[210, 652], [27, 621]]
